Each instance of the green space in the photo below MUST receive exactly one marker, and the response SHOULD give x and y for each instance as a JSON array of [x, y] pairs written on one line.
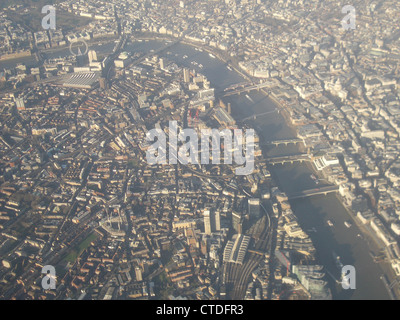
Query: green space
[[82, 246], [163, 285], [133, 163], [166, 257]]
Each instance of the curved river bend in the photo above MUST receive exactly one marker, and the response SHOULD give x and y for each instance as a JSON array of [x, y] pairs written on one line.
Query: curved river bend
[[311, 212]]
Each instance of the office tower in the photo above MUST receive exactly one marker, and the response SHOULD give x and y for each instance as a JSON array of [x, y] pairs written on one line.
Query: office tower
[[237, 222], [186, 75], [217, 221], [162, 64], [207, 222], [138, 274], [92, 56], [254, 207]]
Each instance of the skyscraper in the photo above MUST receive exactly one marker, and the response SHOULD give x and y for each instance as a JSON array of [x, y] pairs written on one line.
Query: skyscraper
[[217, 221], [162, 64], [186, 75], [207, 222], [212, 221], [237, 222], [254, 207], [138, 274]]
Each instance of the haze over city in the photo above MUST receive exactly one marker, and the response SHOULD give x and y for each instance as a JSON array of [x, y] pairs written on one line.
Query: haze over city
[[199, 150]]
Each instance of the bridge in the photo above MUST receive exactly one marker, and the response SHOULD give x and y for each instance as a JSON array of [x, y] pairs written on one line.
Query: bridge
[[254, 117], [282, 142], [288, 159], [313, 192], [244, 88], [235, 86], [157, 51], [117, 49]]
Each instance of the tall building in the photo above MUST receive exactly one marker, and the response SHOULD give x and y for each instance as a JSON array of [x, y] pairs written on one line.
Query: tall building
[[217, 221], [237, 222], [212, 221], [162, 64], [186, 75], [207, 222], [92, 56], [138, 274], [254, 207]]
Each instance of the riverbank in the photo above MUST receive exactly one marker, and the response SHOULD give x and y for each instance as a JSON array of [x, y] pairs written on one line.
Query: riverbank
[[96, 41], [311, 212], [375, 245], [214, 51]]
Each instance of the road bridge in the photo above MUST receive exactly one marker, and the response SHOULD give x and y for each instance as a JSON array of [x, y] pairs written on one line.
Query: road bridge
[[245, 88], [313, 192], [302, 157], [282, 142], [255, 116], [163, 48]]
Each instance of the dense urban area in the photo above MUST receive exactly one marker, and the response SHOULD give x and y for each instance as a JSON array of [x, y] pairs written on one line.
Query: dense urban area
[[77, 191]]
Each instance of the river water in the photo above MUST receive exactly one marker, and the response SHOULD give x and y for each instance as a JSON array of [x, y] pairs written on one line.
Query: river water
[[312, 212]]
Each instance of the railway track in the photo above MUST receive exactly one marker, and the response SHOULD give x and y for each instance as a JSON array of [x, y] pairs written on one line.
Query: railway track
[[238, 275]]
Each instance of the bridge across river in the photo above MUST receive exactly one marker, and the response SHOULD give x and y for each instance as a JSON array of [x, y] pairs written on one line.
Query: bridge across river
[[254, 117], [246, 87], [157, 51], [282, 142], [313, 192], [302, 157]]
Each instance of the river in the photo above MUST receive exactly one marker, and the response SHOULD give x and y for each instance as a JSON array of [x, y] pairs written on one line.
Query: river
[[312, 212]]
